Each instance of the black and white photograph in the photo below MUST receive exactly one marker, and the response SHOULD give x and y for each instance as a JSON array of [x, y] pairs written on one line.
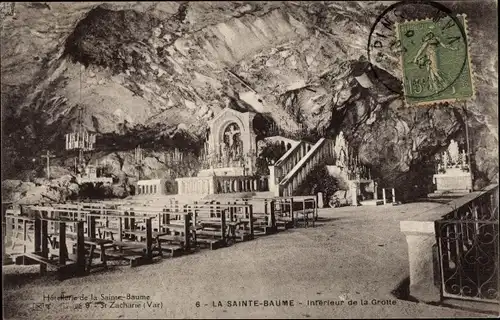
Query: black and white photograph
[[249, 159]]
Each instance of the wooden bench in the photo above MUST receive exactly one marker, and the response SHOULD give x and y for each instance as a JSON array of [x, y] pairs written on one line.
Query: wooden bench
[[305, 210], [239, 218], [263, 213], [37, 256], [284, 212], [124, 249], [174, 231], [64, 264], [133, 258], [97, 246], [210, 230], [16, 226]]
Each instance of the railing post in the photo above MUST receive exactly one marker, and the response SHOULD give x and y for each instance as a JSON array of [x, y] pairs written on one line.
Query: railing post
[[187, 231], [62, 244], [45, 245], [80, 247], [149, 238], [272, 216], [250, 217], [223, 227]]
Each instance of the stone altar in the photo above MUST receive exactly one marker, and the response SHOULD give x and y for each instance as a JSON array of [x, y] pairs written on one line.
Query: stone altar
[[231, 147], [228, 158], [352, 174], [453, 171], [90, 176]]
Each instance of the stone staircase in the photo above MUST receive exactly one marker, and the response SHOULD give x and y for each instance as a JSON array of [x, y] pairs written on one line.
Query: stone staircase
[[294, 166]]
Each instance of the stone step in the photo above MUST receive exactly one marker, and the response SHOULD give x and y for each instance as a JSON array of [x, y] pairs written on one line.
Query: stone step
[[448, 195], [372, 202], [229, 196]]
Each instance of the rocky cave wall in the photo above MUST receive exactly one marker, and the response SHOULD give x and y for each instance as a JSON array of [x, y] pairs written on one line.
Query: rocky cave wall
[[161, 70]]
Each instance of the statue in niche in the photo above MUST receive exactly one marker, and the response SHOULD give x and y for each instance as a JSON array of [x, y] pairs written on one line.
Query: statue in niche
[[342, 158], [454, 153]]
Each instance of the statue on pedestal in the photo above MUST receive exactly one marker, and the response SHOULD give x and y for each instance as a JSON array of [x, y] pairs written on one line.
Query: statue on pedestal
[[454, 153]]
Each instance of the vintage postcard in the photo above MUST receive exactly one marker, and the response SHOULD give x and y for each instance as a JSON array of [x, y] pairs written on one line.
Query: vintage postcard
[[243, 159]]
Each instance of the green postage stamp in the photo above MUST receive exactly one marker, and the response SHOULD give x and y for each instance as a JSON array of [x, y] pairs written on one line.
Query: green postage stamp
[[435, 60]]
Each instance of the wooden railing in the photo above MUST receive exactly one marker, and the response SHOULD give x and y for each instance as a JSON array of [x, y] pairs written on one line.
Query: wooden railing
[[320, 152]]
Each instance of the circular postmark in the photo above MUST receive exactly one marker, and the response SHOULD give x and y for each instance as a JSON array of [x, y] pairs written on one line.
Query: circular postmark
[[429, 44]]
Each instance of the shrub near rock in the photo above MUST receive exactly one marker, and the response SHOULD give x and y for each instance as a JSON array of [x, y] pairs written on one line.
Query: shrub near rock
[[319, 180]]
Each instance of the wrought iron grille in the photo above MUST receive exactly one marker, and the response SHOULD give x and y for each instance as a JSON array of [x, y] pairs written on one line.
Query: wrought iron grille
[[468, 250]]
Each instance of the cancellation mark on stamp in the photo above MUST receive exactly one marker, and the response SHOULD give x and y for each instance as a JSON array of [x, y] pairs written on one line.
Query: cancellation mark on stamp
[[435, 60], [401, 38]]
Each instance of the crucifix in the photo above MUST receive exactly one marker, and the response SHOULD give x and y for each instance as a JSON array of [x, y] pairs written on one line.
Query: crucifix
[[48, 156], [231, 133]]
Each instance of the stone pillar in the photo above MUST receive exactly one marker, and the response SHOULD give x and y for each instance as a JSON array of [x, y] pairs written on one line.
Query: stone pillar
[[354, 193], [211, 186], [179, 186], [375, 190], [383, 196], [255, 185], [421, 238], [393, 195], [320, 200]]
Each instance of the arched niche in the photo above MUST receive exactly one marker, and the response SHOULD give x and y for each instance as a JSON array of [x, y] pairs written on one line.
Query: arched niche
[[264, 125]]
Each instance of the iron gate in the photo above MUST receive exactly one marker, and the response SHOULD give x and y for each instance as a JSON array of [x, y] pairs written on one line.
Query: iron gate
[[468, 253]]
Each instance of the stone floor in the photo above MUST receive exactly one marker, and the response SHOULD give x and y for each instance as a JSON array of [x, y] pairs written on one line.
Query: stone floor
[[353, 254]]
